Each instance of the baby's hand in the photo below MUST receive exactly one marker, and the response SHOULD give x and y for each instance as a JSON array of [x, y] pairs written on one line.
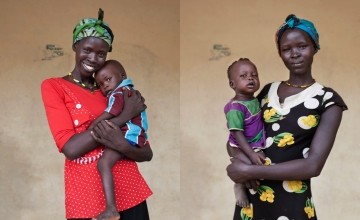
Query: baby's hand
[[257, 158]]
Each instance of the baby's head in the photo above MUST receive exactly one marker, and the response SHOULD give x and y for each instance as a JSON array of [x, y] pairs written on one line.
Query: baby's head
[[243, 77], [110, 76]]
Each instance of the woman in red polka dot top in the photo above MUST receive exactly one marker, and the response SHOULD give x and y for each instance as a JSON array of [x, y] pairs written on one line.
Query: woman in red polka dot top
[[72, 102]]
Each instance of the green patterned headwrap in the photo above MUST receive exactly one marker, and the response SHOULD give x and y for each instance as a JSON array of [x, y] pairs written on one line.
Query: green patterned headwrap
[[91, 27]]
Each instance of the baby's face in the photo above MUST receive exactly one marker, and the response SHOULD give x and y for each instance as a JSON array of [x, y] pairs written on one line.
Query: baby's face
[[244, 78], [108, 79]]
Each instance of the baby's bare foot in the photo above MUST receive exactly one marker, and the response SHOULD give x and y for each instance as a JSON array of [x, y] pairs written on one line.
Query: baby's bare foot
[[240, 196], [108, 214]]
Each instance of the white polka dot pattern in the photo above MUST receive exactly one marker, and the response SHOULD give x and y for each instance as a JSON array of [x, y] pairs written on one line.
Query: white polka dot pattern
[[84, 196]]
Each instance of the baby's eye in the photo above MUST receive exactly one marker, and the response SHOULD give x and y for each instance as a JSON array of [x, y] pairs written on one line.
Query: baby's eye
[[242, 75], [108, 79]]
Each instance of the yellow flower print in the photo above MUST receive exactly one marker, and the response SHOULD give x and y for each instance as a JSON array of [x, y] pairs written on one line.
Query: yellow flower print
[[294, 186], [310, 120], [266, 194], [309, 208], [310, 212], [307, 122], [284, 139], [269, 113], [247, 213], [267, 161]]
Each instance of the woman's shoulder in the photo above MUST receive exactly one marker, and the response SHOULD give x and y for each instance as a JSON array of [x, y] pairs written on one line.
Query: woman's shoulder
[[53, 80], [331, 97], [267, 87], [57, 83], [53, 85]]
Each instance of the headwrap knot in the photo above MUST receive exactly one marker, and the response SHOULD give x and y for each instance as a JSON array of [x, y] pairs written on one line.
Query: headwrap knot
[[290, 23], [91, 27], [308, 27]]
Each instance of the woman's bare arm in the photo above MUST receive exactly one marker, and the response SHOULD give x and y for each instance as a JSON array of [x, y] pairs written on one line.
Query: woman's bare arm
[[110, 135], [82, 143], [306, 168]]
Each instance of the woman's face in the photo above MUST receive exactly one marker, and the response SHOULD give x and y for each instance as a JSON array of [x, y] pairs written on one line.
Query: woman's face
[[90, 55], [297, 51]]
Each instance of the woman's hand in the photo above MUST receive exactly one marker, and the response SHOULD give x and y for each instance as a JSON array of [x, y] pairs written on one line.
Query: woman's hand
[[237, 171], [237, 154], [110, 135], [134, 104]]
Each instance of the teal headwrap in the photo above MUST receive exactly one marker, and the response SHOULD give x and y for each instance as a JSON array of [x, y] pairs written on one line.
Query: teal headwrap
[[308, 27], [91, 27]]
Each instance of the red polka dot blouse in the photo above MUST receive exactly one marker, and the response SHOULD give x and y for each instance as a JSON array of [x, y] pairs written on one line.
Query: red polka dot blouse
[[70, 109]]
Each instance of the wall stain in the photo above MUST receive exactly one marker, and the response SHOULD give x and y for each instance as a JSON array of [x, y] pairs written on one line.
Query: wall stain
[[219, 51], [52, 51]]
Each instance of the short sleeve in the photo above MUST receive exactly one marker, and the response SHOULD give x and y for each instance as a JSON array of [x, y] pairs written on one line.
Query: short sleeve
[[57, 114], [331, 98], [235, 115], [263, 93], [115, 103]]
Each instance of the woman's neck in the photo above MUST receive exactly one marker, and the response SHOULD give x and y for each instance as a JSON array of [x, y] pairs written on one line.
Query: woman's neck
[[89, 84], [300, 80]]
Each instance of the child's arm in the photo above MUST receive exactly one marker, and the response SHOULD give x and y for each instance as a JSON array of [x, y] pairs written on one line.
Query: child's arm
[[134, 106], [103, 116], [245, 147]]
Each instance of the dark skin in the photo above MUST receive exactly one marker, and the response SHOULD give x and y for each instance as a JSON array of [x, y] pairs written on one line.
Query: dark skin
[[244, 80], [90, 55], [297, 52], [108, 79]]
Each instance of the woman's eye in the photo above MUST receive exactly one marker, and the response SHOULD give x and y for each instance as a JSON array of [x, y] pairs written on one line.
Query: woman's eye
[[102, 55], [108, 79]]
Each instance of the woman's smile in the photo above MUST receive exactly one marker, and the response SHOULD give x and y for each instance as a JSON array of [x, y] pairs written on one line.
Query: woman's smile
[[88, 67]]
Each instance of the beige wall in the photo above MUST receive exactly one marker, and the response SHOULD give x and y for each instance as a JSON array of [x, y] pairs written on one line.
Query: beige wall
[[247, 28], [147, 37], [146, 42]]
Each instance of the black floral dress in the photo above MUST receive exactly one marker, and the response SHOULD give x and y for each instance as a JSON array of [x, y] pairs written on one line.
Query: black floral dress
[[290, 127]]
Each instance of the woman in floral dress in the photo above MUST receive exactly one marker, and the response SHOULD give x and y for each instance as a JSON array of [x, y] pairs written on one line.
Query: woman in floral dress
[[301, 121]]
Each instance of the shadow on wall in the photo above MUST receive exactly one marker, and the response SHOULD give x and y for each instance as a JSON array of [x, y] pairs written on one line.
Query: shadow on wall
[[206, 181], [16, 176]]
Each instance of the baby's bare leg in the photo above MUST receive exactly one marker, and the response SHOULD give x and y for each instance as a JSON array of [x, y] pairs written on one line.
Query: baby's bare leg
[[105, 164], [239, 189], [240, 195]]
